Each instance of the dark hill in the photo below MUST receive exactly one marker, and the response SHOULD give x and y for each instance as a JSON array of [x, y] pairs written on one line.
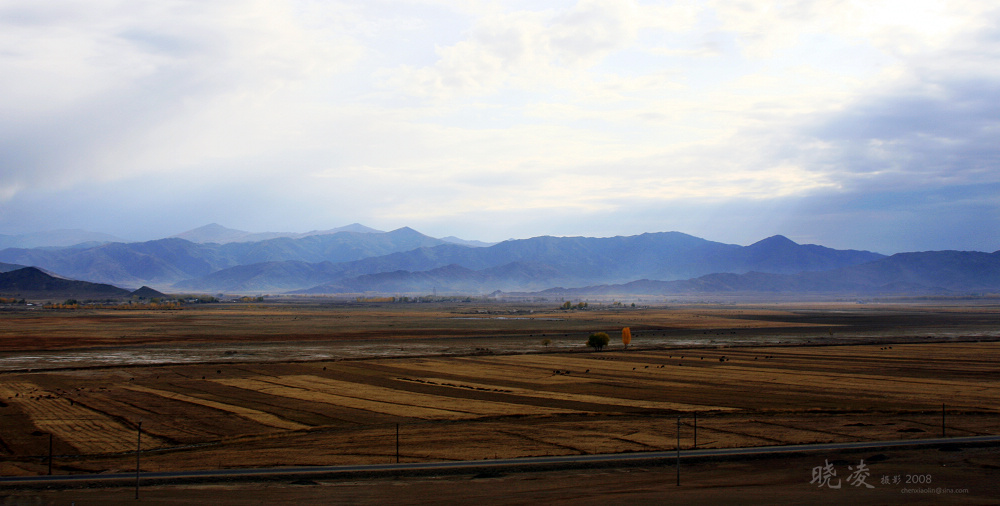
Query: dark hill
[[146, 292], [31, 282]]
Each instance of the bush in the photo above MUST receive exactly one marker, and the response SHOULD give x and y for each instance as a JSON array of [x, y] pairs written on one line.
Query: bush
[[598, 340]]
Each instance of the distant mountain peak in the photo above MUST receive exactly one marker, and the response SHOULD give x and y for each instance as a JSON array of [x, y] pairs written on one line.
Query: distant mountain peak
[[357, 227], [774, 241], [353, 227], [406, 231], [213, 232]]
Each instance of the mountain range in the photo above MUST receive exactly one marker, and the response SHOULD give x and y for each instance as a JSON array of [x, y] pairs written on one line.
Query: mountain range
[[358, 259], [543, 262], [166, 261]]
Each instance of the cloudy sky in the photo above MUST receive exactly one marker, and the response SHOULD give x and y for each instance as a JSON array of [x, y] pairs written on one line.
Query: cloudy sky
[[853, 124]]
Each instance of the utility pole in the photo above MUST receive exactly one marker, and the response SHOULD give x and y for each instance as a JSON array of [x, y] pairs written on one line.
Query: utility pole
[[138, 447], [942, 419], [678, 451], [50, 454], [42, 433], [695, 430], [397, 442]]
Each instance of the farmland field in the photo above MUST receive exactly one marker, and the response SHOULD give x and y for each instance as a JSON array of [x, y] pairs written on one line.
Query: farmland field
[[232, 386]]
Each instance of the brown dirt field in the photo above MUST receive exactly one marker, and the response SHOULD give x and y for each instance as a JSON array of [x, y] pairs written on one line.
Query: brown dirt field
[[61, 329], [499, 406], [887, 376], [46, 339]]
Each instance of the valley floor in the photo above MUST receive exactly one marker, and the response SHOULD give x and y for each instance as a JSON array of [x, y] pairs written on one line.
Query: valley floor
[[790, 375]]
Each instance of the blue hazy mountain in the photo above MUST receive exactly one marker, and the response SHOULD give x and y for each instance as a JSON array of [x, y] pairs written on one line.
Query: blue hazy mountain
[[166, 261], [580, 261], [406, 261], [919, 273]]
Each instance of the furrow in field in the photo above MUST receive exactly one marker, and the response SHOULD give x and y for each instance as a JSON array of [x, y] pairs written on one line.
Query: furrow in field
[[586, 398], [773, 374], [384, 400], [514, 371], [250, 414], [478, 406], [479, 367], [910, 389], [275, 386], [86, 430]]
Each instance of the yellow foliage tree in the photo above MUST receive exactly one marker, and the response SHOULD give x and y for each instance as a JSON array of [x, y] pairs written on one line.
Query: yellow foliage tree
[[626, 336]]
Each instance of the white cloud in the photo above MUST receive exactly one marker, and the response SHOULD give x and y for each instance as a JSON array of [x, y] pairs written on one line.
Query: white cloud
[[526, 49], [897, 27], [427, 109], [106, 90]]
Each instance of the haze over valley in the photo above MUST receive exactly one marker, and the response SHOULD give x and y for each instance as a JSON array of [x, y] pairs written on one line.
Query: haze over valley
[[356, 259]]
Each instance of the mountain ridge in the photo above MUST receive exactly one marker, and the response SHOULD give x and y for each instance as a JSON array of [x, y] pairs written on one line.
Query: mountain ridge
[[578, 261], [218, 234], [405, 260], [61, 238], [166, 261]]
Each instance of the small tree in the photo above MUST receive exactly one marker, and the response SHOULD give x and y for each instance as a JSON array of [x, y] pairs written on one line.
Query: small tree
[[598, 340], [546, 342]]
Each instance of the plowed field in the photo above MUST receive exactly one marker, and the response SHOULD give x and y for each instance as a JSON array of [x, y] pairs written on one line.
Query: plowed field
[[338, 412]]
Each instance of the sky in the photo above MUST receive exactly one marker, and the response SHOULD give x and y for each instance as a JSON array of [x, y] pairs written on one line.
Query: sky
[[852, 124]]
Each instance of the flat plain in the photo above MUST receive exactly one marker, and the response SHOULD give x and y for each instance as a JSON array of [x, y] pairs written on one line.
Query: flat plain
[[306, 383]]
